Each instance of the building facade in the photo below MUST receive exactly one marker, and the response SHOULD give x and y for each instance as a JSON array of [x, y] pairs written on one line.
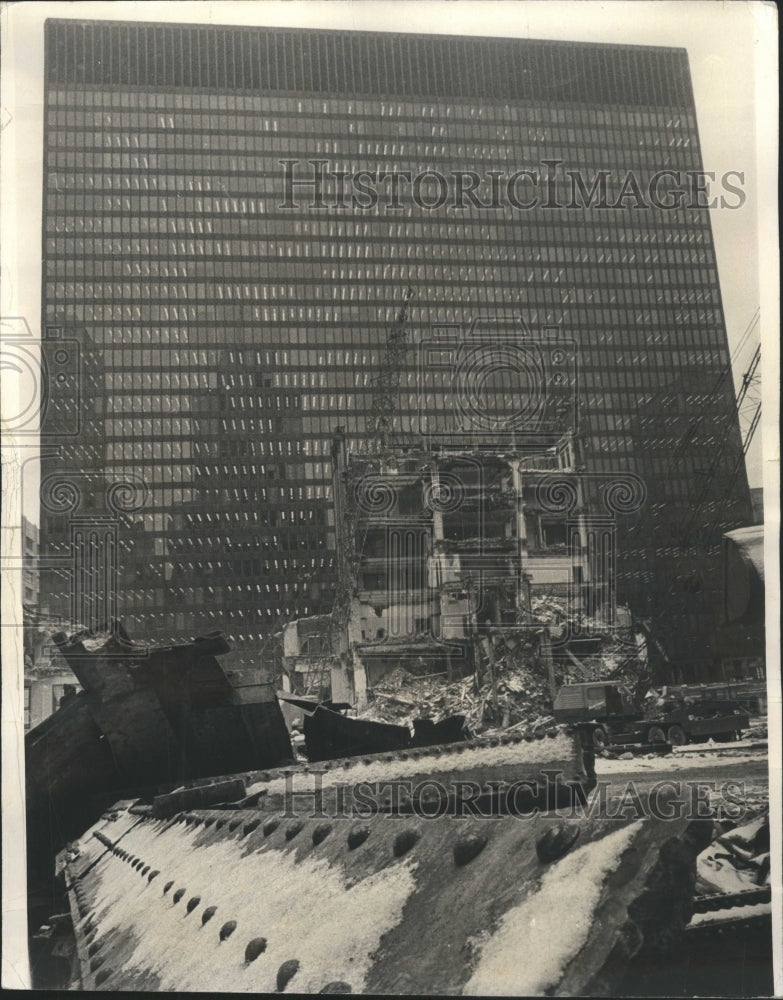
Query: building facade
[[231, 218], [30, 559], [438, 550], [43, 695]]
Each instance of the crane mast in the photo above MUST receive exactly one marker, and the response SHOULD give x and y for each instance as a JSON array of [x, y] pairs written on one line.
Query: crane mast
[[380, 433], [380, 424]]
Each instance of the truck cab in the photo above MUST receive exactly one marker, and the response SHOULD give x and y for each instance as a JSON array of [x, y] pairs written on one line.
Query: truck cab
[[593, 701]]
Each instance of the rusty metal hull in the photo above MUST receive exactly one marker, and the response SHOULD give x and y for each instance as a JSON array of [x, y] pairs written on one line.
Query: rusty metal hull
[[292, 888], [476, 868]]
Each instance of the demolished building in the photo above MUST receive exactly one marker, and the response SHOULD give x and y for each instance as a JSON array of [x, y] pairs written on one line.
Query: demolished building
[[438, 547]]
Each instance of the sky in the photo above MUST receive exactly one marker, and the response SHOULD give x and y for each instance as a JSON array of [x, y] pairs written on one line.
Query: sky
[[723, 43]]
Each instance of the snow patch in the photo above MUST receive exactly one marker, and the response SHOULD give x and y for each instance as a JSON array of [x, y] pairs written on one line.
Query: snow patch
[[733, 913], [534, 941], [674, 762], [720, 873], [539, 752], [748, 831], [304, 909]]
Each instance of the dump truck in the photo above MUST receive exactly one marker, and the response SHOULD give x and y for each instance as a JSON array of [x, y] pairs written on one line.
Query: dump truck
[[610, 713]]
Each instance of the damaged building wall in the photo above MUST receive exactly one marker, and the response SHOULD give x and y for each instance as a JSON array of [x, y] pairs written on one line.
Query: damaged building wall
[[445, 523], [371, 621], [317, 661], [438, 546]]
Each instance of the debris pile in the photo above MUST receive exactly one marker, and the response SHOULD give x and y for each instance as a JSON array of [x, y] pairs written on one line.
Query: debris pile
[[615, 654], [511, 685], [520, 697]]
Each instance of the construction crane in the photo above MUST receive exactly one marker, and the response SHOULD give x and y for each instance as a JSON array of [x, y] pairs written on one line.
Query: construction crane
[[748, 410], [749, 400], [380, 433], [380, 422], [749, 413]]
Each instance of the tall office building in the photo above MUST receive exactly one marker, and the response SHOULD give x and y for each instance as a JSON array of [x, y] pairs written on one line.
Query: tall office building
[[225, 243]]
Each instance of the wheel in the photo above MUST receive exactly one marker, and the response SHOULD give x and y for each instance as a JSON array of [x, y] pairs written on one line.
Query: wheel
[[600, 739], [677, 736], [656, 735]]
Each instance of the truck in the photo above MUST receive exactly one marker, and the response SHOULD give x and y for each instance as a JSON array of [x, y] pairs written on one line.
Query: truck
[[609, 711]]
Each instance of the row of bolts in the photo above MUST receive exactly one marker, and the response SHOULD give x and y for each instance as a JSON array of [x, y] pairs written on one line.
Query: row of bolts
[[467, 847]]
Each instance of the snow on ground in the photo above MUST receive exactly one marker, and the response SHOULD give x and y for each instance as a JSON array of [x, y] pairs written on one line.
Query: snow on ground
[[748, 831], [686, 759], [720, 872], [301, 907], [535, 941], [559, 748]]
